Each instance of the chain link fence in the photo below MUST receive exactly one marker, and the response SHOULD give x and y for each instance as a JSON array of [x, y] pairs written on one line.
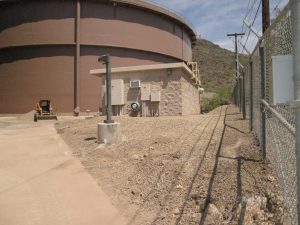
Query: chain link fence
[[273, 124]]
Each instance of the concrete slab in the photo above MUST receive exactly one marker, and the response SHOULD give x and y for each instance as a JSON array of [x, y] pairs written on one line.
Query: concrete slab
[[41, 183]]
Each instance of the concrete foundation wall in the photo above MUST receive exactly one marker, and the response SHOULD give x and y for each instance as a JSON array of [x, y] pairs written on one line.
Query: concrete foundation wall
[[178, 95]]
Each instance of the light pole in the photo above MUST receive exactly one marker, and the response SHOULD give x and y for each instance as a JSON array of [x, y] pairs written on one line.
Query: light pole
[[105, 59], [109, 131]]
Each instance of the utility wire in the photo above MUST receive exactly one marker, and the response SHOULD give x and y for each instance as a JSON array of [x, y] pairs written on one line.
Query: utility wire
[[276, 7], [251, 9], [255, 17], [247, 11]]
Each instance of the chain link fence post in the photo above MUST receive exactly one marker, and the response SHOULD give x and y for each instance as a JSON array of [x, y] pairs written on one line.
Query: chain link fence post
[[240, 92], [262, 97], [236, 94], [233, 96], [295, 17], [251, 93], [244, 95]]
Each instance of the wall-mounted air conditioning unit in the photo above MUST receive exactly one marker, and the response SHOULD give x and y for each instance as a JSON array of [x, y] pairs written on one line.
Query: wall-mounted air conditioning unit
[[135, 84]]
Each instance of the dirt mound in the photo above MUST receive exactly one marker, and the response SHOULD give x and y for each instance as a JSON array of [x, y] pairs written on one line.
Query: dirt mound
[[26, 116]]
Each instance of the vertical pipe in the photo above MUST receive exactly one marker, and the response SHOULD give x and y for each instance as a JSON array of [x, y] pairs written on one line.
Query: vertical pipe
[[251, 94], [295, 15], [108, 90], [262, 96], [77, 57], [244, 96]]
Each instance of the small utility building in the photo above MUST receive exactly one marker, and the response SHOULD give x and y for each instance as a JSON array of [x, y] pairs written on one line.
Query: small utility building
[[163, 89]]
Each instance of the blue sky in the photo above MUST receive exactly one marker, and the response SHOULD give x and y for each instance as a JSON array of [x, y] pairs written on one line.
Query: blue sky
[[213, 19]]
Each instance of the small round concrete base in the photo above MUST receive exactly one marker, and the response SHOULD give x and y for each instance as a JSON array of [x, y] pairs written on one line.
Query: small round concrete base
[[109, 133]]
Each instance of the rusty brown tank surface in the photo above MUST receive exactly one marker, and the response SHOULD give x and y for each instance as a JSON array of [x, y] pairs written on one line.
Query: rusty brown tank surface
[[48, 47]]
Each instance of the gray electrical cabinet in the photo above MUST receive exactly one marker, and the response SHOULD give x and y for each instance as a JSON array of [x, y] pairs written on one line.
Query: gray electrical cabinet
[[155, 96], [283, 84], [145, 92], [117, 92]]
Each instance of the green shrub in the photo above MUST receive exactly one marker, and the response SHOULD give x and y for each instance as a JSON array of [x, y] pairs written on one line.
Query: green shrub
[[222, 97]]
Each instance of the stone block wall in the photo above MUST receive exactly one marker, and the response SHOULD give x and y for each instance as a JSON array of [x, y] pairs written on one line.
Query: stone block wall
[[191, 103], [178, 95]]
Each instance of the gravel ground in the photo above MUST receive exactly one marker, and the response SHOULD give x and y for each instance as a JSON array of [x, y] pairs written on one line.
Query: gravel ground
[[202, 169]]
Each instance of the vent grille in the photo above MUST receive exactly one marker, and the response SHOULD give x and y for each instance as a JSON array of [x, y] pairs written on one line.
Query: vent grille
[[135, 84]]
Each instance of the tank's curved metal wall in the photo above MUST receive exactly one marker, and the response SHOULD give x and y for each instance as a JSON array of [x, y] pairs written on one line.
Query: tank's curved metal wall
[[48, 48], [28, 74], [37, 23], [132, 28]]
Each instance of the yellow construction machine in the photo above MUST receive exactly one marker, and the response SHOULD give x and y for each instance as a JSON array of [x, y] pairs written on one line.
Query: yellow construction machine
[[44, 111]]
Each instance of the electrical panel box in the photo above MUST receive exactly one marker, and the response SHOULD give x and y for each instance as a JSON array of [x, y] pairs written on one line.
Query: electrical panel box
[[155, 96], [283, 84], [145, 92], [117, 92], [135, 84]]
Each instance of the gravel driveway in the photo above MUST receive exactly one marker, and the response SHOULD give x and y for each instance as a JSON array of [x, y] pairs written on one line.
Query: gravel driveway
[[198, 169]]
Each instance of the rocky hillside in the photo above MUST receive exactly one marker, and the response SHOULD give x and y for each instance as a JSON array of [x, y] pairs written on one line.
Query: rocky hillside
[[216, 64]]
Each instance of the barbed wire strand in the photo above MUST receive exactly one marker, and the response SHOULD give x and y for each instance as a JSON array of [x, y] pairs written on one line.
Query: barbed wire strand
[[253, 21]]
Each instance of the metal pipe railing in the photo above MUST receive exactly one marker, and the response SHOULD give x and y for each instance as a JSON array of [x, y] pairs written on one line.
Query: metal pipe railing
[[279, 117]]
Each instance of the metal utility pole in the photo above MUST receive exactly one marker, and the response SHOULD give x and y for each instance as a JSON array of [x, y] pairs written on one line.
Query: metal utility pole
[[237, 72], [295, 15], [105, 59], [265, 15]]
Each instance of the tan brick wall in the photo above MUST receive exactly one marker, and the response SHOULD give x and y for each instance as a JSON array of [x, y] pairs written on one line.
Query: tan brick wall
[[172, 87], [191, 104]]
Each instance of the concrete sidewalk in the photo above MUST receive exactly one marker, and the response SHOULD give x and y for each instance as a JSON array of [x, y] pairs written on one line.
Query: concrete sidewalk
[[41, 183]]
